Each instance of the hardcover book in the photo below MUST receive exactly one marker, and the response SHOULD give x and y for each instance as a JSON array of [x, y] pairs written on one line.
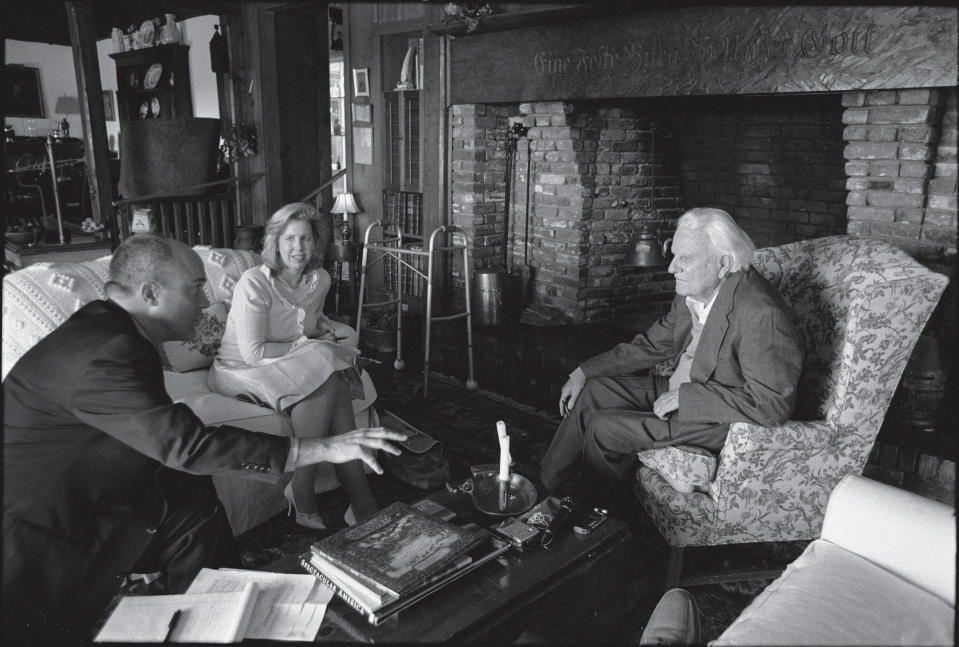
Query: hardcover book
[[342, 583], [365, 592], [399, 548]]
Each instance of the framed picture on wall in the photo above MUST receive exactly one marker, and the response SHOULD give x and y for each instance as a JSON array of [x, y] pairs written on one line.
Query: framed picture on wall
[[361, 82], [362, 113], [109, 106], [362, 144], [21, 91]]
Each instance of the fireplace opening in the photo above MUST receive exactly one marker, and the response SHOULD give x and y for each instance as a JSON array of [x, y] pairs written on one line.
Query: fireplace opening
[[602, 170]]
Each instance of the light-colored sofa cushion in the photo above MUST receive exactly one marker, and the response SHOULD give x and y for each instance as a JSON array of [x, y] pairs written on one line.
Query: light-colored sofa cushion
[[38, 298], [882, 573]]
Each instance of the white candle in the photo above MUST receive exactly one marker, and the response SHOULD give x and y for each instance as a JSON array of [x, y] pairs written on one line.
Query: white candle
[[504, 458], [501, 434]]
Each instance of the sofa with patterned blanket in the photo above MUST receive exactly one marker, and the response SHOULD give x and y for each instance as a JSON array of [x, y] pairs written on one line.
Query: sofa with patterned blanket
[[40, 297]]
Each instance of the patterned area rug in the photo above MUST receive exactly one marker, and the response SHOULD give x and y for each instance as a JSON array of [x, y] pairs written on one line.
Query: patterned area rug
[[465, 422]]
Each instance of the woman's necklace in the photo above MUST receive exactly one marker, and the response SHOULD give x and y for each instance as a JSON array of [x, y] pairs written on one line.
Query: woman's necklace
[[299, 281]]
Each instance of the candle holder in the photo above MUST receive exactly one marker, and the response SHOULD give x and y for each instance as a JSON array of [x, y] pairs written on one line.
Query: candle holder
[[487, 494]]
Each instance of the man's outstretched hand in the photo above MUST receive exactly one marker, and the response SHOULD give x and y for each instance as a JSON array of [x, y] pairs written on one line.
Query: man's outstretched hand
[[359, 444]]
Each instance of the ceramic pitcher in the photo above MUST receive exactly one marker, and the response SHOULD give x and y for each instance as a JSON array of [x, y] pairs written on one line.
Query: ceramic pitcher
[[170, 34]]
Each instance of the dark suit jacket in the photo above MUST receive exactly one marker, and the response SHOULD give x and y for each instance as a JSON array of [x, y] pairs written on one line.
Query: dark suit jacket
[[746, 366], [94, 452]]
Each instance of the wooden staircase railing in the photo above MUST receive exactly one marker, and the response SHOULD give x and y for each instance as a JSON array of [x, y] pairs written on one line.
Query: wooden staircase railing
[[198, 219], [203, 219], [194, 220]]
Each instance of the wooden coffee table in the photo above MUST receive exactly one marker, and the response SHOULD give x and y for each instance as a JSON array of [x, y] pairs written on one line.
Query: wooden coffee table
[[574, 590]]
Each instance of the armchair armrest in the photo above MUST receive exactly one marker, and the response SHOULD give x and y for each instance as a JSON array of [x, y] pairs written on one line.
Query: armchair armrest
[[793, 435], [904, 533], [752, 453], [776, 480], [689, 469]]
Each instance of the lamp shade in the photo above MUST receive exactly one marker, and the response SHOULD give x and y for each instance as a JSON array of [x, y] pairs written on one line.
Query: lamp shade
[[67, 106], [345, 203]]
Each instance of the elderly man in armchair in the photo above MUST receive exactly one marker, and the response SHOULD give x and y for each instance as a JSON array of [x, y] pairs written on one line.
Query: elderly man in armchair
[[726, 351]]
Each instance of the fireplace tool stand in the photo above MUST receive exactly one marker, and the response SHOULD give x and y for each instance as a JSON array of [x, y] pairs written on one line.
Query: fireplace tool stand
[[390, 247]]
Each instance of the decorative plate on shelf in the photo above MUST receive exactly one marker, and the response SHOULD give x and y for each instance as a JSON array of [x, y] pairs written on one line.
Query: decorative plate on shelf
[[152, 77], [144, 109], [155, 107], [147, 34]]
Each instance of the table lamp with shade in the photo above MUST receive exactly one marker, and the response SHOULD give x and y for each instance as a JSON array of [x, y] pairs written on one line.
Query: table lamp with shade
[[66, 106], [343, 248]]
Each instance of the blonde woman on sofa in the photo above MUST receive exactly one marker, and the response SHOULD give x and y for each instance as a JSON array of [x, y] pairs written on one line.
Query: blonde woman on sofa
[[279, 349]]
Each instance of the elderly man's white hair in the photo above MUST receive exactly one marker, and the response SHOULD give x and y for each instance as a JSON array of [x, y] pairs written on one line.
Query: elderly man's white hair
[[722, 233]]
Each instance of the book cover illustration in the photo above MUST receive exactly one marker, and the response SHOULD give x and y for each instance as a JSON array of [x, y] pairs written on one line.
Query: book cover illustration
[[399, 547]]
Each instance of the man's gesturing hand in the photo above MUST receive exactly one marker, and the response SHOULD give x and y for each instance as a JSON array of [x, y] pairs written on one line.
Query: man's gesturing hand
[[575, 383], [359, 444]]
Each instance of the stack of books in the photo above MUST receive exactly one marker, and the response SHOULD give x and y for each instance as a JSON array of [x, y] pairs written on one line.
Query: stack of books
[[396, 558]]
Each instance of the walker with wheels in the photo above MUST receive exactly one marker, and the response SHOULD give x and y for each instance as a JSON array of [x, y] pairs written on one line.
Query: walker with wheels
[[377, 250]]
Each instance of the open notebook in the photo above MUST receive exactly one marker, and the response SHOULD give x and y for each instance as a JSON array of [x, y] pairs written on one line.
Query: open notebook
[[223, 606]]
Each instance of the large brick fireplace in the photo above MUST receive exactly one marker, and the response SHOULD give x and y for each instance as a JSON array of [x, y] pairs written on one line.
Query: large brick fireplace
[[854, 134], [788, 168]]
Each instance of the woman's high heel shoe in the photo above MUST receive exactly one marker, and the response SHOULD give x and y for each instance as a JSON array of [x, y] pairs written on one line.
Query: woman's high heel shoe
[[311, 520], [349, 516]]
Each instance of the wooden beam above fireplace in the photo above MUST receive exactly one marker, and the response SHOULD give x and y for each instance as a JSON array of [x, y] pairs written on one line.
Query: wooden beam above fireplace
[[709, 50]]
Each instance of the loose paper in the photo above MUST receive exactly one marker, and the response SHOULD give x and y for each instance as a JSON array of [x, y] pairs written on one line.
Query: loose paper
[[204, 618], [289, 606]]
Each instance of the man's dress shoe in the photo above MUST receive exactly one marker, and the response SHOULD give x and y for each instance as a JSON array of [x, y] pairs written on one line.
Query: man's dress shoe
[[674, 621]]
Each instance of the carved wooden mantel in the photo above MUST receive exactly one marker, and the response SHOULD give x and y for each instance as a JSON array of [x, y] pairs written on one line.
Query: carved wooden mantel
[[714, 50]]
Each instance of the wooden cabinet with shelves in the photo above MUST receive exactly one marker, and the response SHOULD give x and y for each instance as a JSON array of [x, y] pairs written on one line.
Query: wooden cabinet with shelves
[[153, 83]]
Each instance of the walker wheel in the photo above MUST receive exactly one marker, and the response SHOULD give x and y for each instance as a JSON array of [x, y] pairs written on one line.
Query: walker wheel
[[399, 364], [471, 385]]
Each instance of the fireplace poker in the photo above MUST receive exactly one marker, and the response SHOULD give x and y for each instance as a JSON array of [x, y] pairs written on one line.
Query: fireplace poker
[[529, 181], [525, 274], [510, 151], [516, 130]]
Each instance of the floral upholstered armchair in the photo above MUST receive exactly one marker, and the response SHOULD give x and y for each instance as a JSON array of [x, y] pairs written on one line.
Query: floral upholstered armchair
[[860, 306]]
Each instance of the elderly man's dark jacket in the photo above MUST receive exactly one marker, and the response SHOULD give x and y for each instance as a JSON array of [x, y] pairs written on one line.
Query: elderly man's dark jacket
[[747, 364], [94, 452]]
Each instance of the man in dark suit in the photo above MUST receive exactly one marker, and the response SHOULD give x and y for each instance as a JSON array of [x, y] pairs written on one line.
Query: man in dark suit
[[725, 352], [103, 474]]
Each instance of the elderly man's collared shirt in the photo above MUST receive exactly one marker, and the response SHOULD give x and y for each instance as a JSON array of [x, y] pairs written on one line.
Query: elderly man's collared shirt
[[698, 312]]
